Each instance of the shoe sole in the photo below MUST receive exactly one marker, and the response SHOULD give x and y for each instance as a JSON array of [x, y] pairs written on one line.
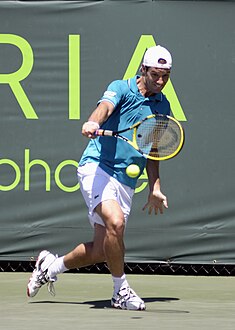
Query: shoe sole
[[142, 307]]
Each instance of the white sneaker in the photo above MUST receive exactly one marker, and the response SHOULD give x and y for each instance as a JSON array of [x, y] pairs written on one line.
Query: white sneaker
[[126, 298], [40, 276]]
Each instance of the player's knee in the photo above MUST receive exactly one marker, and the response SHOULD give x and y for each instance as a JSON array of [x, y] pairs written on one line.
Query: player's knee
[[116, 227]]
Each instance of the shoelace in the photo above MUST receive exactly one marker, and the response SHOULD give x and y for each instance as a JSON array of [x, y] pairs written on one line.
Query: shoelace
[[124, 295], [126, 292], [42, 279], [51, 288]]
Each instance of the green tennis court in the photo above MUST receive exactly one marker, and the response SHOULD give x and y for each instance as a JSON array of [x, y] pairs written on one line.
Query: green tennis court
[[82, 301]]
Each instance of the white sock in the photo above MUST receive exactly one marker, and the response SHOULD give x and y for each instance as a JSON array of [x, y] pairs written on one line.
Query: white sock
[[57, 267], [119, 282]]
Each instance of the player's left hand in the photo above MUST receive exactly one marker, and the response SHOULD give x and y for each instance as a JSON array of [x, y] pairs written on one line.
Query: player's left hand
[[156, 201]]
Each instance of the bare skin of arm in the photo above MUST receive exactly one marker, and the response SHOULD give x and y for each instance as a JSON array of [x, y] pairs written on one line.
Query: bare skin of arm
[[99, 116]]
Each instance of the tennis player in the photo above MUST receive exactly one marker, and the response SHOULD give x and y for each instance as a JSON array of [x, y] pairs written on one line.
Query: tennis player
[[106, 188]]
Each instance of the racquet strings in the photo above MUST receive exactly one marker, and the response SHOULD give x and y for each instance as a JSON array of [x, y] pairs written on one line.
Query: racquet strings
[[158, 136]]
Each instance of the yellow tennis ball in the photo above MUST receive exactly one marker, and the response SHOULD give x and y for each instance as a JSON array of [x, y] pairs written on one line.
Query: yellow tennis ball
[[133, 170]]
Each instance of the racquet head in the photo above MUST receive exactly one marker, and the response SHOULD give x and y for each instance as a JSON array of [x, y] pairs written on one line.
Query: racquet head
[[159, 137]]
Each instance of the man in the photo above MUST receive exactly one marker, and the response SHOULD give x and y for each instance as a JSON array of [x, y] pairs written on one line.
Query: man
[[105, 186]]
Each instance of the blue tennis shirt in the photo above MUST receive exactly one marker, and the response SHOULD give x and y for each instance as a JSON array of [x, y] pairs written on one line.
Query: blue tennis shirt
[[114, 155]]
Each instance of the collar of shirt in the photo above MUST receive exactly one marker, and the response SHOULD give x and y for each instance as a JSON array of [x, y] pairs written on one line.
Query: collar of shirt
[[134, 88]]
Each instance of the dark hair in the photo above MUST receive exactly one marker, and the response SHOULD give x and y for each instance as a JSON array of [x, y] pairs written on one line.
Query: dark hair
[[144, 67]]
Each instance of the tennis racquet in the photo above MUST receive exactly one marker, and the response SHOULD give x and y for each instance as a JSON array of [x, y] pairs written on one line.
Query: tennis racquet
[[156, 137]]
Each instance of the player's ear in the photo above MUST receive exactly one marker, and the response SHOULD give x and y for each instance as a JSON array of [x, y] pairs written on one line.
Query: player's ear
[[143, 68]]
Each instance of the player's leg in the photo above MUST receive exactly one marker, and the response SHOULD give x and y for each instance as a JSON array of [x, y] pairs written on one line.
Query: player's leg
[[113, 217], [108, 217], [113, 244], [86, 254], [107, 244], [49, 265]]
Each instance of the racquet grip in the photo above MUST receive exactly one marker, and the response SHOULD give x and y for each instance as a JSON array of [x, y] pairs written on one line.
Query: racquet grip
[[103, 132]]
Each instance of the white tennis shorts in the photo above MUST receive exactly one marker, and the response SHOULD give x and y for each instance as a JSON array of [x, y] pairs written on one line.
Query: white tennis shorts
[[97, 186]]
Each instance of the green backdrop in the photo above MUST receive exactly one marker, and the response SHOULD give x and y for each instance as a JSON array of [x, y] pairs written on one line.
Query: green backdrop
[[56, 59]]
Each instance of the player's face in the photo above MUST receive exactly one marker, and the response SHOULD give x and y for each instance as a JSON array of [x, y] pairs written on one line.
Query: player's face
[[156, 79]]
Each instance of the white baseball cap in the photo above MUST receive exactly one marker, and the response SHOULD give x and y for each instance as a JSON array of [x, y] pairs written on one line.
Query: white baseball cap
[[158, 57]]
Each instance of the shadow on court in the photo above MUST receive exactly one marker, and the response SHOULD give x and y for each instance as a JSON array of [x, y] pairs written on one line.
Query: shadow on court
[[100, 304]]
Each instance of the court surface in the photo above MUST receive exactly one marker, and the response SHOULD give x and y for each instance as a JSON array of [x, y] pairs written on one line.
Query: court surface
[[82, 301]]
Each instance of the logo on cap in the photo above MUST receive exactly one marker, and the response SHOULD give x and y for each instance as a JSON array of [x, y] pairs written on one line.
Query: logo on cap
[[162, 61]]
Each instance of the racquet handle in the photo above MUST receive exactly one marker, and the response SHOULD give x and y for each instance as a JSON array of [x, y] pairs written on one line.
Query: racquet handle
[[103, 132]]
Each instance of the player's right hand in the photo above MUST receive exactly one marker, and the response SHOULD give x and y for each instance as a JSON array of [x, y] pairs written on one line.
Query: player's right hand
[[89, 128]]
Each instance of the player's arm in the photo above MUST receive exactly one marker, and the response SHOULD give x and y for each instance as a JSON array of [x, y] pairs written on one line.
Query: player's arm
[[97, 118], [156, 199]]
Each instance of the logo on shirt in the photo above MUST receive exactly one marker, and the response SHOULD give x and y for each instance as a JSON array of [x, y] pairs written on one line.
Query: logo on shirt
[[110, 94]]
